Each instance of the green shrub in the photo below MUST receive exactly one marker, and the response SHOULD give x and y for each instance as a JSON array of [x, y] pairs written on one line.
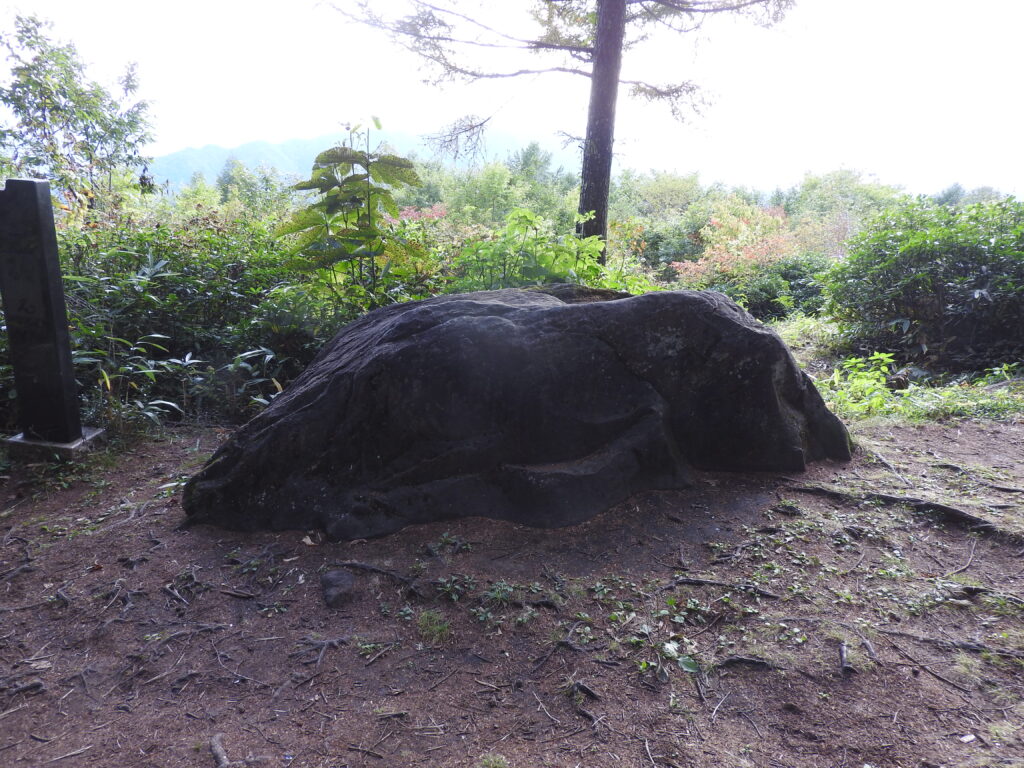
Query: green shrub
[[192, 283], [196, 316], [770, 288], [858, 389], [751, 255], [176, 314], [937, 283], [525, 252], [761, 292], [802, 275]]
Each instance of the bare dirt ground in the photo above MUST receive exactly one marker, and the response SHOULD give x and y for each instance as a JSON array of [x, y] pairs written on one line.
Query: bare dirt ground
[[750, 621]]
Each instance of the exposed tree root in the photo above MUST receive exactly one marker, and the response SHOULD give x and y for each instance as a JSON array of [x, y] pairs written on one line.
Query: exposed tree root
[[16, 571], [405, 581], [845, 667], [746, 661], [221, 755], [944, 512], [928, 670], [959, 645], [317, 647], [565, 642], [217, 748], [692, 581]]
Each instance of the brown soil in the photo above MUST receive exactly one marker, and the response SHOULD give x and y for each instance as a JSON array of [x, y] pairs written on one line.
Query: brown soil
[[127, 642]]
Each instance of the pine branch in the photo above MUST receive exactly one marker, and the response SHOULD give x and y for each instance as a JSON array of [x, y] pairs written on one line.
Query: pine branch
[[704, 6]]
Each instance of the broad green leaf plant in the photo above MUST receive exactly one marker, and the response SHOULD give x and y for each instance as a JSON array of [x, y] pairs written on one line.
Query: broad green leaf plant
[[347, 238]]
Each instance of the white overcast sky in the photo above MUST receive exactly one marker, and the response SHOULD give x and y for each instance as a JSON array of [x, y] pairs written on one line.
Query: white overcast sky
[[916, 93]]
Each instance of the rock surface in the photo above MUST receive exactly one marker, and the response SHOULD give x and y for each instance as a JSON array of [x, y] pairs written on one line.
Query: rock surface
[[338, 587], [544, 408]]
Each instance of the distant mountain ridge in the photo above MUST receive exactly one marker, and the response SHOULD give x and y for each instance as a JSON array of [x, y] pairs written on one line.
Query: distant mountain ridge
[[291, 158], [294, 158]]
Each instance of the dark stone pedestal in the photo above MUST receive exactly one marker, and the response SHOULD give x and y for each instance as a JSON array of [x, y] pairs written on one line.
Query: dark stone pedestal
[[37, 326], [22, 449]]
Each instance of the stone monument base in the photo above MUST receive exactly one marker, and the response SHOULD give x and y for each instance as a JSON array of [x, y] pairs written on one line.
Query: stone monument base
[[22, 449]]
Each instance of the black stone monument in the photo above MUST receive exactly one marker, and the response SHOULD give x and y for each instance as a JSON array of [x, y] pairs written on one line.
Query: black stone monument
[[37, 326]]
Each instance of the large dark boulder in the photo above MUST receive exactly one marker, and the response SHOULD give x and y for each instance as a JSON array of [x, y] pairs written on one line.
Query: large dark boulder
[[544, 408]]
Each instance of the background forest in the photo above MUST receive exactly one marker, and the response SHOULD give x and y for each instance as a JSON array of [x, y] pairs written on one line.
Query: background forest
[[208, 301]]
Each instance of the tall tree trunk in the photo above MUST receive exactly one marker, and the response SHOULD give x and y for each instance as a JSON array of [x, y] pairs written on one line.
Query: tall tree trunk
[[604, 88]]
